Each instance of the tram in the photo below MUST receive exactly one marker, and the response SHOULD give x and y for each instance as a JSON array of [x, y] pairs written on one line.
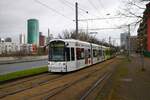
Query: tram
[[66, 55]]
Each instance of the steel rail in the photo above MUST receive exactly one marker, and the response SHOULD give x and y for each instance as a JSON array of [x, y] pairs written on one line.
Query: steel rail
[[51, 94], [99, 81], [33, 86]]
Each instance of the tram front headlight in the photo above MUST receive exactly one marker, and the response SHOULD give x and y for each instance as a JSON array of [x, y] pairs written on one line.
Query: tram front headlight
[[64, 64], [49, 63]]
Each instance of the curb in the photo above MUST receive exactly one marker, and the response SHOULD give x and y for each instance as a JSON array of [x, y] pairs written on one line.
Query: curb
[[21, 61]]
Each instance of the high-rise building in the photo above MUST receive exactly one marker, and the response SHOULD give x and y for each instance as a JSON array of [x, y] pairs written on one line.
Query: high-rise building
[[22, 38], [41, 39], [50, 36], [124, 41], [33, 32]]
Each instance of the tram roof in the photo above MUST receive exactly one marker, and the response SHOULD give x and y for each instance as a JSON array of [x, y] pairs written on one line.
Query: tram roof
[[69, 40], [73, 40]]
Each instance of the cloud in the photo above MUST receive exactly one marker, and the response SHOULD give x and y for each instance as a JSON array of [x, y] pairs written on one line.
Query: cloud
[[14, 15]]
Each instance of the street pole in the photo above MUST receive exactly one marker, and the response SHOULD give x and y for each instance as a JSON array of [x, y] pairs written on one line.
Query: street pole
[[103, 40], [48, 34], [129, 52], [76, 15], [101, 50], [87, 27], [109, 43]]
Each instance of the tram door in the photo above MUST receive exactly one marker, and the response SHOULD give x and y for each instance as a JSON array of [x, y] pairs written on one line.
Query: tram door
[[70, 58], [86, 56], [77, 57], [80, 57], [91, 54]]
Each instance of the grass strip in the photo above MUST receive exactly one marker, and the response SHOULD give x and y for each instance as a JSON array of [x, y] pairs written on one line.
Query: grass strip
[[24, 73]]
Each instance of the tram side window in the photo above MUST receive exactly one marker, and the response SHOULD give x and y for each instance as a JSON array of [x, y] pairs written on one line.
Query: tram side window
[[80, 53], [68, 54], [94, 53], [103, 53], [100, 52], [72, 54], [86, 53], [89, 53]]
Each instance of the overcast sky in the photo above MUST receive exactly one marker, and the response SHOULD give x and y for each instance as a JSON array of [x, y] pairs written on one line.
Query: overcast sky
[[14, 15]]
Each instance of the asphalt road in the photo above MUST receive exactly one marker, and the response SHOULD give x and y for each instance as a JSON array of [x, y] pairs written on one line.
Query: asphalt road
[[7, 68]]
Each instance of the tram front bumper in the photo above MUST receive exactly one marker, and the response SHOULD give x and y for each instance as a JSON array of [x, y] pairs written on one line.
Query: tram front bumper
[[57, 67]]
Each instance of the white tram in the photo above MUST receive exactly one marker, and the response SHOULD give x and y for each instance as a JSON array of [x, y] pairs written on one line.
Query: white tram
[[67, 55]]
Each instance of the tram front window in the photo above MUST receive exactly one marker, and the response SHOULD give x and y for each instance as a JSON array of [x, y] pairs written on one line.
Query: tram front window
[[56, 52]]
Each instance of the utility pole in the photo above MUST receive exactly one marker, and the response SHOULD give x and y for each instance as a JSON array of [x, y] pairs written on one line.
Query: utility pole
[[87, 27], [103, 40], [109, 41], [76, 15], [129, 51]]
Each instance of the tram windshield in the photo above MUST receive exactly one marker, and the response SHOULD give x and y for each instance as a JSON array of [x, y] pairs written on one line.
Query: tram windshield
[[56, 51]]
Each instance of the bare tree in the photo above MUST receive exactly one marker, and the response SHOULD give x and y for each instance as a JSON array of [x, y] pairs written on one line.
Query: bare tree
[[72, 35], [83, 36], [133, 9]]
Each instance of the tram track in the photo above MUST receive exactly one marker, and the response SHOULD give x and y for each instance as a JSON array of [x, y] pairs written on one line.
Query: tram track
[[22, 86], [57, 90], [60, 88], [88, 92], [66, 86], [23, 80], [32, 78]]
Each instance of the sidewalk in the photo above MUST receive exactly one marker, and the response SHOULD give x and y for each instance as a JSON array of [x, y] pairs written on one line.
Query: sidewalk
[[9, 60], [129, 82]]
